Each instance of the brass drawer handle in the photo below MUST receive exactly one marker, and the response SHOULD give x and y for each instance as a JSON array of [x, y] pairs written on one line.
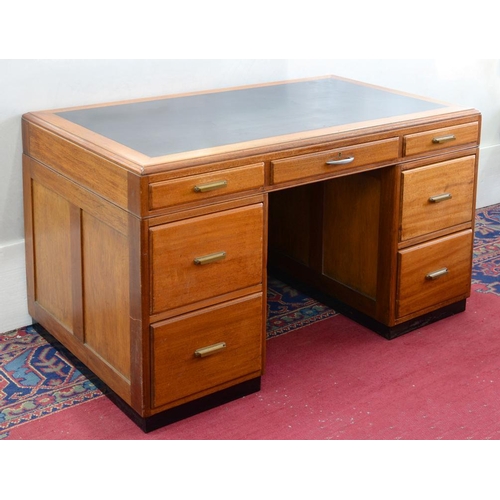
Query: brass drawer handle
[[208, 259], [437, 274], [343, 161], [210, 186], [211, 349], [444, 138], [440, 197]]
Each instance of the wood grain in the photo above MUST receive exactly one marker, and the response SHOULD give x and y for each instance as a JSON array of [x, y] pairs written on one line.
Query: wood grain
[[419, 214], [418, 293], [182, 191], [178, 373], [422, 142], [106, 293], [177, 280]]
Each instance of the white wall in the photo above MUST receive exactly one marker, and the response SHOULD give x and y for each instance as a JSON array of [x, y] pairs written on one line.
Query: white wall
[[30, 85]]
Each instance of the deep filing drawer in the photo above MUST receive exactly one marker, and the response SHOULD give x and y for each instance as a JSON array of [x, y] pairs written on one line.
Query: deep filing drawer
[[441, 138], [434, 272], [207, 348], [205, 186], [437, 196], [335, 160], [206, 256]]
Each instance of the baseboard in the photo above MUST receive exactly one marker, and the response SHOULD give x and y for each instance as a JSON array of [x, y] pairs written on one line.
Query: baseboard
[[488, 182], [13, 303]]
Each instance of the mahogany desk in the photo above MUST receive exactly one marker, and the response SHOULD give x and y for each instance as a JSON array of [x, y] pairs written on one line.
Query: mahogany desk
[[150, 226]]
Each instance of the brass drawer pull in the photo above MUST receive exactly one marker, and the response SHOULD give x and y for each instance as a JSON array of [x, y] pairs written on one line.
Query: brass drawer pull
[[210, 186], [343, 161], [208, 259], [440, 197], [211, 349], [444, 138], [437, 274]]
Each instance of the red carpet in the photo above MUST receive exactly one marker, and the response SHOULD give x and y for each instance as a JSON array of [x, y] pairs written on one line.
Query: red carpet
[[338, 380]]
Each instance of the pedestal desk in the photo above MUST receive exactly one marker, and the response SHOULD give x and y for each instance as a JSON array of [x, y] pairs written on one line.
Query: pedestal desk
[[151, 226]]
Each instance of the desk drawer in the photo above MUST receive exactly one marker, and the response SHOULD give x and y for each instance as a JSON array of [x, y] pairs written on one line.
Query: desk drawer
[[434, 272], [441, 138], [205, 186], [437, 196], [341, 159], [205, 349], [206, 256]]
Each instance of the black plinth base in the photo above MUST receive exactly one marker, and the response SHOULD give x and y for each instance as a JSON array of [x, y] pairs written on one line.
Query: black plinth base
[[391, 332], [148, 424], [388, 332]]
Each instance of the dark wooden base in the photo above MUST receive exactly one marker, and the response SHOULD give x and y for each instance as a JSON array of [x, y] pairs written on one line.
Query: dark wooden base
[[391, 332], [148, 424], [388, 332]]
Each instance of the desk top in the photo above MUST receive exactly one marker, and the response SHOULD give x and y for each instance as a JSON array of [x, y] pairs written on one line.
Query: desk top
[[175, 128], [166, 126]]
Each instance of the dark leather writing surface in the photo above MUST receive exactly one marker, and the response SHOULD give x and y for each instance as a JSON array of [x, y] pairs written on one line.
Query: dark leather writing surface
[[175, 125]]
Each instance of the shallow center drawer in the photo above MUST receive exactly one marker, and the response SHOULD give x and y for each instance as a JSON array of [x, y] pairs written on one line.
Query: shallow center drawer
[[204, 349], [437, 196], [206, 256], [334, 161]]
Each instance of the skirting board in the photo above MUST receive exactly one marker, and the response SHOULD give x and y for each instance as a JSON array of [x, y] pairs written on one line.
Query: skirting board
[[13, 303]]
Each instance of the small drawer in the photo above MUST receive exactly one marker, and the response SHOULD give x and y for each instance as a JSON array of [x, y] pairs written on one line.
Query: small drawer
[[441, 138], [434, 272], [205, 349], [205, 186], [335, 160], [437, 196], [206, 256]]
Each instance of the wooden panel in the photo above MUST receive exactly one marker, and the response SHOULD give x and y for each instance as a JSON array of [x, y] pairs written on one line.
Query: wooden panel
[[86, 168], [304, 166], [177, 280], [351, 232], [420, 215], [106, 293], [178, 191], [79, 196], [28, 232], [441, 138], [178, 373], [290, 222], [416, 292], [53, 262]]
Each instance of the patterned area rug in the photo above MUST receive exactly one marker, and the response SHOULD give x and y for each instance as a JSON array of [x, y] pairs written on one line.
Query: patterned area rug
[[486, 269], [289, 309], [38, 377]]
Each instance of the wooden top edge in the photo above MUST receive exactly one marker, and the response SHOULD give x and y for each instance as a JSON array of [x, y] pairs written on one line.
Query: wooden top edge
[[118, 153], [142, 164]]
